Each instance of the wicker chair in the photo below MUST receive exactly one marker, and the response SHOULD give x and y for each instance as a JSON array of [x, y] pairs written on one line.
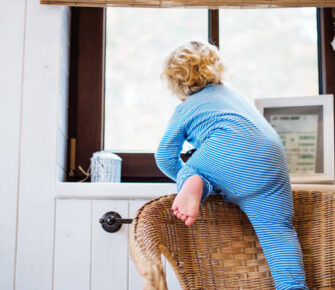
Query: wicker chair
[[221, 250]]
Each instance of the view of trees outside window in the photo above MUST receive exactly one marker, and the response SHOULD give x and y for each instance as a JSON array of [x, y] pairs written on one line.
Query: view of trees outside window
[[268, 53]]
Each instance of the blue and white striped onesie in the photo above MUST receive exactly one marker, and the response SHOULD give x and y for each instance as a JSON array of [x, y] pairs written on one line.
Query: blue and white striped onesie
[[240, 156]]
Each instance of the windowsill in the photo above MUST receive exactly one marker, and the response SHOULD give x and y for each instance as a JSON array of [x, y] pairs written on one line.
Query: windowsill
[[132, 190], [124, 190]]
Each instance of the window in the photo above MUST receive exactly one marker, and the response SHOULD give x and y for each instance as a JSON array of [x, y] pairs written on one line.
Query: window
[[137, 105], [275, 56], [255, 44]]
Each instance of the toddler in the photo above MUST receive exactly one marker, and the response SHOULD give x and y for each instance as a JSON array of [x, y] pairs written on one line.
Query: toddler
[[238, 155]]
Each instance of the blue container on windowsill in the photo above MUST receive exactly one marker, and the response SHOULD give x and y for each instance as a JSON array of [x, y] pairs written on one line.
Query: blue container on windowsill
[[106, 167]]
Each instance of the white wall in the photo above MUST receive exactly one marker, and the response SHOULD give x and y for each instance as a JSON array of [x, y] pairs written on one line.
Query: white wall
[[62, 134], [33, 54], [43, 236], [12, 15]]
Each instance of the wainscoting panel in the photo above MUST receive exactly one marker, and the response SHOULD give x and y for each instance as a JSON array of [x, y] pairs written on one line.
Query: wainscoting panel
[[88, 257], [109, 250], [72, 266]]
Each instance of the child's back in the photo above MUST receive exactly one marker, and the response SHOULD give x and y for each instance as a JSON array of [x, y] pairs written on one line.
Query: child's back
[[215, 106]]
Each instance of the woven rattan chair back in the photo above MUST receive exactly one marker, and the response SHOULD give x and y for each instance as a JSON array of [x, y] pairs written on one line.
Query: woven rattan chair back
[[221, 250]]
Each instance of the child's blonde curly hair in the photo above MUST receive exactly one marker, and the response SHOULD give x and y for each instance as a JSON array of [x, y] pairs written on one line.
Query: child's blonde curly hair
[[191, 66]]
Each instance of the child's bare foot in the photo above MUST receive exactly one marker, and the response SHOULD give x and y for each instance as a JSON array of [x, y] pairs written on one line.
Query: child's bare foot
[[186, 204]]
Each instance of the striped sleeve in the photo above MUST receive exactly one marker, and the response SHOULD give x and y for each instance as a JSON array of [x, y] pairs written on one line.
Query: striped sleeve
[[167, 155], [168, 159]]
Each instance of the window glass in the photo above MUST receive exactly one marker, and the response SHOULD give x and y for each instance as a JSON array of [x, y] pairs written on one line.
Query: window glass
[[137, 102], [270, 52]]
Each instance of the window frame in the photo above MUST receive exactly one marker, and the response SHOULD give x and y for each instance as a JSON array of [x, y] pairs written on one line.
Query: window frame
[[87, 71]]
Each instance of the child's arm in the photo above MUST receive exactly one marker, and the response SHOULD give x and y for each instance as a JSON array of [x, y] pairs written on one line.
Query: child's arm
[[168, 158], [167, 154]]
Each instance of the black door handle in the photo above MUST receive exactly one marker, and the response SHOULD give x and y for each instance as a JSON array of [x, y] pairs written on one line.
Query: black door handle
[[111, 221]]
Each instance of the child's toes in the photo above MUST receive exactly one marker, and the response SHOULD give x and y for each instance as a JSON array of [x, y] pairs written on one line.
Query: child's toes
[[175, 212], [179, 214], [190, 220], [183, 217], [174, 206]]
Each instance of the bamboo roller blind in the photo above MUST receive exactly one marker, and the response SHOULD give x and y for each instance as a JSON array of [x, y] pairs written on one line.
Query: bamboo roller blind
[[214, 4]]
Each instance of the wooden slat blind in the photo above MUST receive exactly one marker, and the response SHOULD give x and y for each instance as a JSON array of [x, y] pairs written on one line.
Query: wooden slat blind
[[214, 4]]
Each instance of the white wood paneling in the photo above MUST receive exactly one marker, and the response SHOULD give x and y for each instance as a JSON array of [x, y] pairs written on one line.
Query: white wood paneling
[[61, 149], [61, 173], [63, 113], [73, 245], [64, 66], [12, 15], [135, 281], [109, 250], [38, 164]]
